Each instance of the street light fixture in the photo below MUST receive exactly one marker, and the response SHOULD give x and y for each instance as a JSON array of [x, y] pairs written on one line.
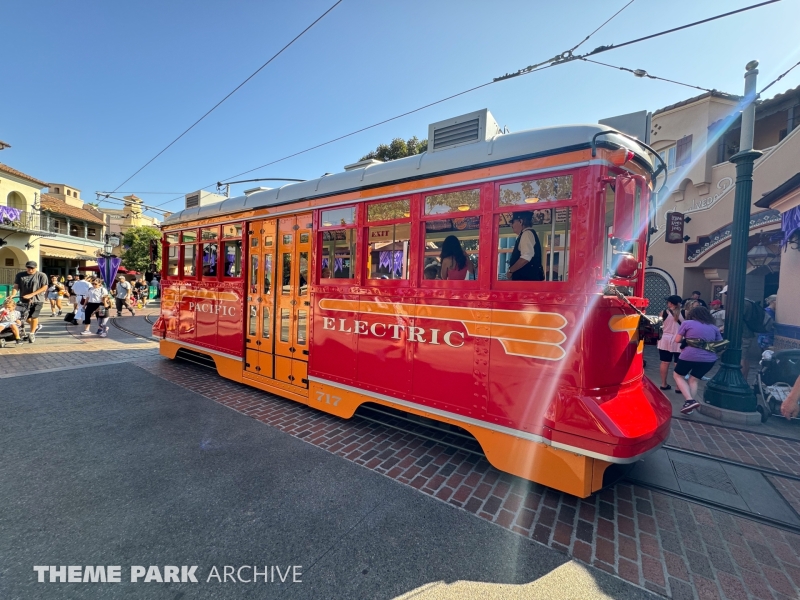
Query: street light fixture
[[760, 256]]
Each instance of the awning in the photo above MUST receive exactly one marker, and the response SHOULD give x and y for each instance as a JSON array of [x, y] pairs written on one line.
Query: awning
[[68, 254]]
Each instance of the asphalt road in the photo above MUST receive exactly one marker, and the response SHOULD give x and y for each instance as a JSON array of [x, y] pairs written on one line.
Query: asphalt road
[[113, 466]]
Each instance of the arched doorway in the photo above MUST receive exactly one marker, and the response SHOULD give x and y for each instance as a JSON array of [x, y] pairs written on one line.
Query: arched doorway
[[17, 200], [11, 262]]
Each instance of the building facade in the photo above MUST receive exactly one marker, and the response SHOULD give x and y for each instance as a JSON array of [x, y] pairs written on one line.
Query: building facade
[[77, 231], [20, 221], [786, 200], [118, 221], [696, 138]]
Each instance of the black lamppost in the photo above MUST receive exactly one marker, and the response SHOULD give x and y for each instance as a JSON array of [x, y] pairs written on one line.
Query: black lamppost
[[729, 389]]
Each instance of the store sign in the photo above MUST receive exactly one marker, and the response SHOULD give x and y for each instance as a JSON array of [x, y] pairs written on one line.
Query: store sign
[[674, 228]]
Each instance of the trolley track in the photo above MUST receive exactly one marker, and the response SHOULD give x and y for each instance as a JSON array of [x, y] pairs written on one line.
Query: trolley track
[[116, 325], [463, 442]]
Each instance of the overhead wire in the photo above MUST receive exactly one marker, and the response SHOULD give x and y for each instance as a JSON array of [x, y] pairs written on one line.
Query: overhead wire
[[643, 73], [606, 22], [213, 108], [557, 60], [779, 77]]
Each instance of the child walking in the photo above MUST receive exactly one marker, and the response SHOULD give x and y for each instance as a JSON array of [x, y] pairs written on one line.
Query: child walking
[[695, 362]]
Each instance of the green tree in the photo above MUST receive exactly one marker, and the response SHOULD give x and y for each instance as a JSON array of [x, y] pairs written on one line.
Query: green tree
[[399, 148], [137, 241]]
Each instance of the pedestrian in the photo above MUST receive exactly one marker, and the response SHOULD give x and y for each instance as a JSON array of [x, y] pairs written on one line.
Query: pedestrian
[[719, 314], [32, 285], [103, 313], [142, 291], [94, 299], [157, 284], [71, 294], [695, 298], [10, 319], [668, 348], [54, 293], [694, 361], [122, 295], [81, 289], [766, 340]]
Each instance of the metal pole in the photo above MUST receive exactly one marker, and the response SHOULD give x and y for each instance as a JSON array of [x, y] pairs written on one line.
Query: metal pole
[[729, 389]]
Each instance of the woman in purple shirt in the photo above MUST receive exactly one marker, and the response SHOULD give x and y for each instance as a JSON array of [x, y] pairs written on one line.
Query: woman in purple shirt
[[695, 362]]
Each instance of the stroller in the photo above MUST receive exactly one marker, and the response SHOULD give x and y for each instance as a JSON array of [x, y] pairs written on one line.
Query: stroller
[[7, 335], [776, 376]]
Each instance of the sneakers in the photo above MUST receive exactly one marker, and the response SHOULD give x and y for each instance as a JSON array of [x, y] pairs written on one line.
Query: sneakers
[[59, 314], [18, 341], [133, 313], [31, 338], [103, 334], [86, 332], [689, 406]]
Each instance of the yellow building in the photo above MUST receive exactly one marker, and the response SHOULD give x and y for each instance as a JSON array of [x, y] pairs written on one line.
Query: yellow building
[[19, 221], [77, 231], [118, 221]]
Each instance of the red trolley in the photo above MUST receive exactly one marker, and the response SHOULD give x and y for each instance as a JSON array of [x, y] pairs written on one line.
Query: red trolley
[[320, 292]]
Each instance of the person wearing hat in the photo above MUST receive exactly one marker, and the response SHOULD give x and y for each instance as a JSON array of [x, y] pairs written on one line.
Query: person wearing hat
[[718, 313], [668, 350], [525, 262], [32, 286]]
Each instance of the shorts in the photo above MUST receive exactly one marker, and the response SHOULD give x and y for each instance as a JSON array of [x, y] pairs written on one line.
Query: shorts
[[694, 368], [4, 326], [750, 349], [53, 296], [34, 308], [667, 356]]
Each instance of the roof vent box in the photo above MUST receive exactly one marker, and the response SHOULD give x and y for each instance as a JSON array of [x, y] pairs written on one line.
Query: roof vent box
[[202, 198], [362, 164], [478, 126]]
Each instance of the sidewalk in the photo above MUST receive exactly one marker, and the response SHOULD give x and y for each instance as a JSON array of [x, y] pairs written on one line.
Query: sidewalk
[[60, 346]]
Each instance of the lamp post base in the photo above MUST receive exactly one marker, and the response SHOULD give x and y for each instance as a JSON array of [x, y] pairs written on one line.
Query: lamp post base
[[730, 390]]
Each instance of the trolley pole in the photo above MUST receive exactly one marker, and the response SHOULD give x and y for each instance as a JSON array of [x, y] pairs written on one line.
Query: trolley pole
[[729, 389]]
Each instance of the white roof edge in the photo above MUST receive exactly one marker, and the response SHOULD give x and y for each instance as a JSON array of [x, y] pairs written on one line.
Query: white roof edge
[[501, 148]]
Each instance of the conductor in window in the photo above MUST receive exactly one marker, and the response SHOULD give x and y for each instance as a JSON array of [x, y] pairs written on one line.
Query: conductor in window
[[525, 263]]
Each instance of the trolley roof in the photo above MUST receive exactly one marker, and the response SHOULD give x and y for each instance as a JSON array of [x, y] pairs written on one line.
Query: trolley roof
[[502, 148]]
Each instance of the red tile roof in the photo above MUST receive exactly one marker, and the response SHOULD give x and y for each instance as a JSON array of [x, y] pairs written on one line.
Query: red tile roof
[[59, 207], [21, 175]]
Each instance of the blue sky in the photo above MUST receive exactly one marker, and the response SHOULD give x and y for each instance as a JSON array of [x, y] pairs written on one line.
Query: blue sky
[[94, 89]]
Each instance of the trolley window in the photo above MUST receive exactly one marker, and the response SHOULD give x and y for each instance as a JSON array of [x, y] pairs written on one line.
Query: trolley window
[[173, 260], [461, 201], [232, 259], [389, 243], [210, 251], [533, 191], [543, 256], [232, 231], [189, 259], [338, 254], [389, 211], [338, 217], [445, 241]]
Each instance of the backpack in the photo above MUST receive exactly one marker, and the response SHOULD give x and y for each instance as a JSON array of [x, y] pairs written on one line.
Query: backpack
[[756, 318]]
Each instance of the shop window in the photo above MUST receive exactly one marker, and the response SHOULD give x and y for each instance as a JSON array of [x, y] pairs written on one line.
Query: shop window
[[338, 217], [534, 191], [388, 251], [550, 259], [462, 201], [450, 234], [338, 254]]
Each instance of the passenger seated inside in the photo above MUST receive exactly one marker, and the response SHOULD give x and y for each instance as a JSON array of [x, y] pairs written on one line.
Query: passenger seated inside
[[326, 273], [431, 272], [455, 262], [525, 262]]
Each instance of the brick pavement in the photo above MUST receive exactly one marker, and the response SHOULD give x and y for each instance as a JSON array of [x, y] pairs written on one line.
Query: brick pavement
[[672, 547], [742, 446]]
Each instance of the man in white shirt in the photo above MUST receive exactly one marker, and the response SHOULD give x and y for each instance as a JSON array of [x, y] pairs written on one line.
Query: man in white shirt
[[121, 295], [81, 289]]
